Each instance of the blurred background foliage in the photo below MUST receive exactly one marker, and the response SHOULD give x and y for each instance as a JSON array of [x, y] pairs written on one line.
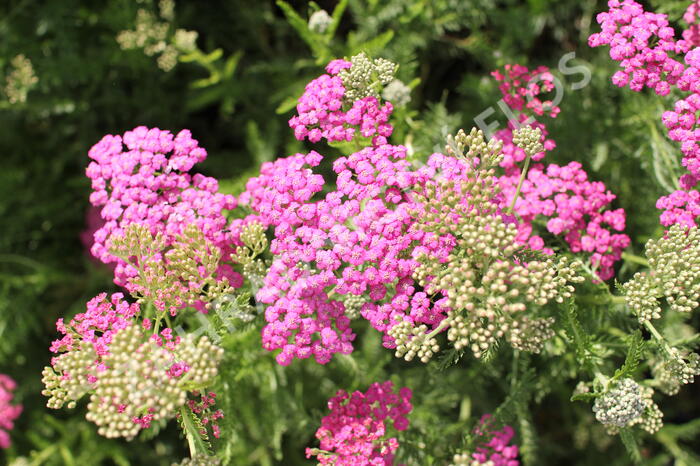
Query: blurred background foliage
[[235, 88]]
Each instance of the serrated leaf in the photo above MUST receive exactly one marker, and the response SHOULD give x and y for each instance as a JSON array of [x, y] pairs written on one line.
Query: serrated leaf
[[630, 442], [313, 40], [635, 352], [584, 397]]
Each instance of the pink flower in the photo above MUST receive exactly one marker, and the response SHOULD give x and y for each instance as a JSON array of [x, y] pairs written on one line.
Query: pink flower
[[8, 411], [355, 431]]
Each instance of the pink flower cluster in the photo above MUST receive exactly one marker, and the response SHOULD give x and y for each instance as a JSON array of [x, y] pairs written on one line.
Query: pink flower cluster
[[692, 17], [203, 409], [355, 431], [97, 325], [497, 451], [8, 411], [641, 42], [148, 183], [574, 208], [561, 197], [680, 207], [323, 113], [645, 45], [522, 87], [351, 242]]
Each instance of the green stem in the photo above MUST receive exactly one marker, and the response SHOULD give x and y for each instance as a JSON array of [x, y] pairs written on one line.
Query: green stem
[[523, 174], [658, 337], [635, 258], [438, 329]]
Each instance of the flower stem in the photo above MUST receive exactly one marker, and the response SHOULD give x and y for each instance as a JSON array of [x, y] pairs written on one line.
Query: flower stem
[[523, 174], [635, 258]]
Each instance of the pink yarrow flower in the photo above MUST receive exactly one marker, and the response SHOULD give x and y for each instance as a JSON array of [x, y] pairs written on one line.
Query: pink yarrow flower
[[8, 411], [356, 429]]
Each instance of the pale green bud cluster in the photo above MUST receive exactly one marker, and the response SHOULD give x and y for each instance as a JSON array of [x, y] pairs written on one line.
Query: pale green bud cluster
[[413, 341], [366, 77], [187, 275], [674, 275], [67, 380], [488, 153], [20, 80], [621, 404], [488, 280], [529, 335], [465, 459], [254, 243], [397, 93], [528, 139], [353, 305], [153, 36], [651, 418], [138, 381], [676, 370], [319, 21], [136, 378]]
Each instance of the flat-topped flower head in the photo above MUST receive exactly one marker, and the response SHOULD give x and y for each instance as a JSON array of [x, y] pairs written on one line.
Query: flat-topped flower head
[[142, 177], [356, 431], [346, 103]]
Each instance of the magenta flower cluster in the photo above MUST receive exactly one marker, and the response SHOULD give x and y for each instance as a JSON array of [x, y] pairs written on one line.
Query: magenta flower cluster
[[8, 411], [650, 56], [355, 431], [352, 242], [522, 87], [322, 114], [148, 183], [497, 451], [560, 197], [574, 208], [692, 17], [102, 319]]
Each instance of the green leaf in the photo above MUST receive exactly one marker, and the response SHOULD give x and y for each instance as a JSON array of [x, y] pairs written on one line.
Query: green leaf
[[635, 352], [584, 397], [287, 104], [337, 14], [630, 442], [231, 64], [314, 41], [372, 47]]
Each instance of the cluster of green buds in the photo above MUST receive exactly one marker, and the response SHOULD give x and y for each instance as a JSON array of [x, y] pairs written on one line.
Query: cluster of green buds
[[139, 381], [20, 80], [320, 21], [69, 377], [529, 139], [173, 276], [465, 459], [397, 93], [674, 275], [675, 370], [152, 34], [366, 77], [247, 256], [489, 280], [621, 404]]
